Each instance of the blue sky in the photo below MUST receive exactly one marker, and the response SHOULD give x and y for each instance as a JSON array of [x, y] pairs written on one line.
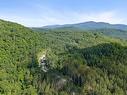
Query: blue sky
[[37, 13]]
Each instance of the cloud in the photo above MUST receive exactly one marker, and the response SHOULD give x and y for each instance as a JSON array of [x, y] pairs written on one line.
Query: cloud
[[50, 17], [37, 13], [109, 16]]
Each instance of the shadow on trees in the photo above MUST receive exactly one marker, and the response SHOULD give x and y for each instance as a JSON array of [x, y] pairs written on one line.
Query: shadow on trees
[[80, 67]]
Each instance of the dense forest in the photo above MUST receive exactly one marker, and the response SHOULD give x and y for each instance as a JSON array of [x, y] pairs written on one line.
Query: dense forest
[[77, 62]]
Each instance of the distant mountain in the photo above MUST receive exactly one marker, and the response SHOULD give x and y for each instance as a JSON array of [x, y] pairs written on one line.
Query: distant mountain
[[112, 30], [52, 26], [91, 25]]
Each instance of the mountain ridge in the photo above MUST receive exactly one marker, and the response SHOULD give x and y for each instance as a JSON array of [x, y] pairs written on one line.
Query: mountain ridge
[[90, 25]]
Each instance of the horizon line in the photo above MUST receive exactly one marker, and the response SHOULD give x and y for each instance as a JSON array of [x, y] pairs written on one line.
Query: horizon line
[[64, 23]]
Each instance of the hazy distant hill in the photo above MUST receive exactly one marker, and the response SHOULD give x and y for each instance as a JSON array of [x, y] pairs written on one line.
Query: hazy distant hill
[[91, 25], [112, 30]]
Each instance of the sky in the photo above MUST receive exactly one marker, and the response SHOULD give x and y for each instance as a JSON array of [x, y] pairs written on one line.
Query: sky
[[38, 13]]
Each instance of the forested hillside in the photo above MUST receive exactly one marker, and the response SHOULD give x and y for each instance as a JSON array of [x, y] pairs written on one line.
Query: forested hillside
[[77, 62], [17, 55]]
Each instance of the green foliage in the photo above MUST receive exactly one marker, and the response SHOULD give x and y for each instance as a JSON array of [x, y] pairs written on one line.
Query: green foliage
[[81, 63]]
